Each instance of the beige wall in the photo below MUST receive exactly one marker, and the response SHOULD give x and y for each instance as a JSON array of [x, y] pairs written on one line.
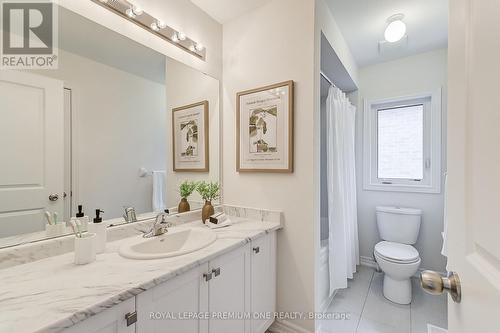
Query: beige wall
[[179, 14], [268, 45], [187, 86], [403, 77]]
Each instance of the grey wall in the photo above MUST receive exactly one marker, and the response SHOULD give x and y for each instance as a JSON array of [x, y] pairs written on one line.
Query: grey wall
[[406, 76]]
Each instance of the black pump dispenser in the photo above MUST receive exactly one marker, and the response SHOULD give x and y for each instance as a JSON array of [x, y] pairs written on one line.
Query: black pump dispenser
[[80, 211], [98, 218]]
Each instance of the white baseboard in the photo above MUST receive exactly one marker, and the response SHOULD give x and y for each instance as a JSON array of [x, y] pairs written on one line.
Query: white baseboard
[[326, 303], [284, 326], [435, 329]]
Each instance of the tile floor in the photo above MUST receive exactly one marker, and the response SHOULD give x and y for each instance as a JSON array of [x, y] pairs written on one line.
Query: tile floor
[[371, 312]]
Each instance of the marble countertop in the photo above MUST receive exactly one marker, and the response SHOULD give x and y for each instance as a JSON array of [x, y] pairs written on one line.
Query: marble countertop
[[52, 294]]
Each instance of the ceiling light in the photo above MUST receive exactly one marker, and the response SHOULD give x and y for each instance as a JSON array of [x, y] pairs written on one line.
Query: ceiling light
[[161, 24], [396, 29], [130, 13], [199, 47], [137, 10]]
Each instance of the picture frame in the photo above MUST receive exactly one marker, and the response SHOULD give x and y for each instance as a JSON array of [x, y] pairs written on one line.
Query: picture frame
[[264, 129], [190, 137]]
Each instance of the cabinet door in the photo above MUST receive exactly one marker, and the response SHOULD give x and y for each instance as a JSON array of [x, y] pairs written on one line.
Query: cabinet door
[[263, 282], [111, 320], [229, 292], [165, 308]]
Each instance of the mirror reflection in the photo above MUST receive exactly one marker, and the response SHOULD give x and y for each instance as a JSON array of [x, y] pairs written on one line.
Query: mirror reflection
[[117, 128]]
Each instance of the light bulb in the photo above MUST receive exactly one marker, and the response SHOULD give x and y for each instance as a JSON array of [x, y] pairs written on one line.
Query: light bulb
[[199, 47], [161, 24], [192, 48], [395, 31], [130, 13], [175, 38], [154, 26], [181, 35], [137, 10]]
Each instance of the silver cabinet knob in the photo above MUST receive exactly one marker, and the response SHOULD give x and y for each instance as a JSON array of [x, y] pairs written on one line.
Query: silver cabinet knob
[[435, 284], [54, 197]]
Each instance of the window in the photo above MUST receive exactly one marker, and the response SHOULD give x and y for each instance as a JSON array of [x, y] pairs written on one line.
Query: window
[[402, 148]]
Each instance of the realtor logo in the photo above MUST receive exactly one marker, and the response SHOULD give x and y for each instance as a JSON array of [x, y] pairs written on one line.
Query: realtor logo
[[29, 34]]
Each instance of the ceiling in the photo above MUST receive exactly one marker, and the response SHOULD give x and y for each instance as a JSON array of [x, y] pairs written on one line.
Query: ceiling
[[363, 23], [226, 10]]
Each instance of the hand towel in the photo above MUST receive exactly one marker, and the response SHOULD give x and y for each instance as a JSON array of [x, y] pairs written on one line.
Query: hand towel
[[159, 191]]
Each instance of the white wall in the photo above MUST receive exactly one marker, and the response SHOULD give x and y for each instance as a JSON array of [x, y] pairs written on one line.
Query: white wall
[[186, 86], [420, 73], [268, 45], [179, 14], [119, 124]]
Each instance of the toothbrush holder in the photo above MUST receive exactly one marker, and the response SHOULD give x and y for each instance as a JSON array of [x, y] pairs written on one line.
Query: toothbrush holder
[[54, 230], [85, 249]]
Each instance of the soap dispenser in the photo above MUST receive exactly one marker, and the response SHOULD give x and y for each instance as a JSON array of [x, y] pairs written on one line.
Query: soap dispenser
[[99, 228], [84, 219]]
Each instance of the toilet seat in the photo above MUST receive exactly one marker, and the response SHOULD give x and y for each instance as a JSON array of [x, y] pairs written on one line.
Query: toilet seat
[[397, 253]]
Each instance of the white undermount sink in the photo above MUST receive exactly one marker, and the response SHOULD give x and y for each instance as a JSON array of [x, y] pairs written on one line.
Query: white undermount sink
[[172, 244]]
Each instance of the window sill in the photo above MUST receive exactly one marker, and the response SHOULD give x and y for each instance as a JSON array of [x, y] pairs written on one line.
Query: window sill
[[436, 189]]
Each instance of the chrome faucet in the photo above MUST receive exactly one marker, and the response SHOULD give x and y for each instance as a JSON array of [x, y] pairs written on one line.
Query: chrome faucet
[[130, 215], [160, 226]]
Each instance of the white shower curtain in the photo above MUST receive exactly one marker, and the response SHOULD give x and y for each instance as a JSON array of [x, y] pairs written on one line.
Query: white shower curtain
[[343, 254]]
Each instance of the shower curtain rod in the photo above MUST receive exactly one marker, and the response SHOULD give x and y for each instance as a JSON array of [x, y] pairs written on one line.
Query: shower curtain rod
[[327, 79]]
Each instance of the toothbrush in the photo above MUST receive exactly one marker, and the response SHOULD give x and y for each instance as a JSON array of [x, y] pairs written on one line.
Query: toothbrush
[[54, 216], [75, 230], [48, 217]]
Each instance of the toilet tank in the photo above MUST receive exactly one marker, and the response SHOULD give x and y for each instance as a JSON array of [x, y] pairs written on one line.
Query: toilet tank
[[397, 224]]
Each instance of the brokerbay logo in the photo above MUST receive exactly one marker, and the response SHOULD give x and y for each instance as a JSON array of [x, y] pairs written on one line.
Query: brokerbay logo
[[29, 34]]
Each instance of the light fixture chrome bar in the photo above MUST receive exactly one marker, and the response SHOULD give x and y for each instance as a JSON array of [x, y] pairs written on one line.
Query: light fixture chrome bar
[[128, 11]]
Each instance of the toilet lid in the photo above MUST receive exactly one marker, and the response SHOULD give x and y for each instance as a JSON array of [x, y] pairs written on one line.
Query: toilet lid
[[397, 251]]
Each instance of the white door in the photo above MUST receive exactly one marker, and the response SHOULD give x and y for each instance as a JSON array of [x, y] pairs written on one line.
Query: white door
[[229, 292], [474, 164], [31, 151], [263, 282], [112, 320], [166, 308]]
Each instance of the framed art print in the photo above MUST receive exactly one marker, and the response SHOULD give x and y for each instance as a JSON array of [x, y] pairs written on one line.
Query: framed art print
[[190, 137], [264, 119]]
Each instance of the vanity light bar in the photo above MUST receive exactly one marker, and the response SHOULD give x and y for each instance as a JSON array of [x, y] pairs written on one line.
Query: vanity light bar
[[155, 26]]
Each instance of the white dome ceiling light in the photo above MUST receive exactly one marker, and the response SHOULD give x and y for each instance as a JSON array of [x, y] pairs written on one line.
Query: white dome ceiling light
[[396, 28]]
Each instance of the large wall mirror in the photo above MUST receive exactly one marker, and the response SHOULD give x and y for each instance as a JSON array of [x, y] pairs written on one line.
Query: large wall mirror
[[100, 132]]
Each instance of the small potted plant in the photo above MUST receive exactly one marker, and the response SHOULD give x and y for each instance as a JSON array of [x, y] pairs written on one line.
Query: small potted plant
[[185, 189], [208, 191]]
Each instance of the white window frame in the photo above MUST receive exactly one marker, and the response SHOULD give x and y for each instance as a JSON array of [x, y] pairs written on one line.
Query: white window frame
[[432, 144]]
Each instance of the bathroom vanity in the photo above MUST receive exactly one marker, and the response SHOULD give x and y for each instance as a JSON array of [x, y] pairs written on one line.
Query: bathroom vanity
[[209, 290]]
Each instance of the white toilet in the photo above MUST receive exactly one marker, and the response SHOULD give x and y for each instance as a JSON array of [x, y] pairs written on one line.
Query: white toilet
[[397, 258]]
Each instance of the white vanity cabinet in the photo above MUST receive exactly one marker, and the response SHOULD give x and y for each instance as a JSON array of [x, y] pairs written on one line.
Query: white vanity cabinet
[[263, 282], [112, 320], [236, 292], [159, 308]]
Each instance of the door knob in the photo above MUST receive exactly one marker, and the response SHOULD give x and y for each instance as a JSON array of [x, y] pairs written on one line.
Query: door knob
[[435, 284], [54, 197]]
